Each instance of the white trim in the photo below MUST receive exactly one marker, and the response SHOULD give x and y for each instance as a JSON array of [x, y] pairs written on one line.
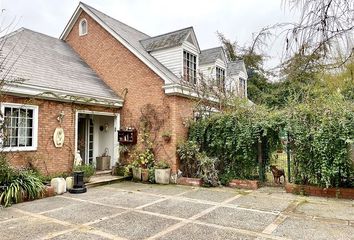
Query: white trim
[[115, 155], [61, 96], [34, 127], [81, 33], [125, 43], [184, 91]]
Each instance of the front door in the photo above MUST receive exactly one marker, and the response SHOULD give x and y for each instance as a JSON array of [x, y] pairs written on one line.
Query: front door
[[85, 138]]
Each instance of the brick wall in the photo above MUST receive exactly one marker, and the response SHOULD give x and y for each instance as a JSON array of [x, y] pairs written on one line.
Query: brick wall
[[132, 80], [49, 159]]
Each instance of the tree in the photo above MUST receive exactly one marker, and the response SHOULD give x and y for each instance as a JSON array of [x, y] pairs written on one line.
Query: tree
[[324, 26]]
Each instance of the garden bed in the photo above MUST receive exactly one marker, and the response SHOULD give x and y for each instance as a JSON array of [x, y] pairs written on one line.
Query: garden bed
[[190, 181], [347, 193], [244, 184]]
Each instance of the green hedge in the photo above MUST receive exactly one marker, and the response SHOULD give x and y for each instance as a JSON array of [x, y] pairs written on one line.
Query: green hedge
[[233, 137], [321, 130]]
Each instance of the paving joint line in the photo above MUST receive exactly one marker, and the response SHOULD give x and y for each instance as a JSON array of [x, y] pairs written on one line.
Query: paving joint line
[[190, 219]]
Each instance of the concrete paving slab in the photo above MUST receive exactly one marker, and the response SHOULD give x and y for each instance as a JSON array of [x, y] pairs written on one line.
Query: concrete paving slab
[[129, 186], [9, 213], [45, 204], [333, 210], [210, 194], [262, 203], [83, 213], [200, 232], [296, 228], [92, 193], [134, 225], [239, 218], [177, 208], [275, 192], [166, 189], [78, 235], [28, 228], [127, 199]]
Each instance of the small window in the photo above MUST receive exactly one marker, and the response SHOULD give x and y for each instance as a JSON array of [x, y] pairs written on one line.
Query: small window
[[220, 78], [189, 67], [20, 127], [242, 88], [83, 27]]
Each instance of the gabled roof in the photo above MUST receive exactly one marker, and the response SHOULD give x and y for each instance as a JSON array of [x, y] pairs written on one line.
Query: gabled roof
[[128, 36], [235, 67], [168, 40], [211, 55], [49, 65]]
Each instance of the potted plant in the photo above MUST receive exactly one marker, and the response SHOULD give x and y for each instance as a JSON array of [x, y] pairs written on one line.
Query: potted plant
[[166, 136], [145, 174], [88, 169], [136, 169], [162, 172]]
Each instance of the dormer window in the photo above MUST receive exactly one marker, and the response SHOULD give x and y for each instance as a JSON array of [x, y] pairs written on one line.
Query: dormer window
[[189, 67], [220, 78], [83, 27]]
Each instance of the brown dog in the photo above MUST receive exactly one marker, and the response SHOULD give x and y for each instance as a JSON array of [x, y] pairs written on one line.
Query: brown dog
[[277, 173]]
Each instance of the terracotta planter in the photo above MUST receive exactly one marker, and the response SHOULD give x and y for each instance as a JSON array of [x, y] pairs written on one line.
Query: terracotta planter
[[190, 181], [347, 193], [136, 174], [145, 175], [162, 176], [244, 184], [48, 191]]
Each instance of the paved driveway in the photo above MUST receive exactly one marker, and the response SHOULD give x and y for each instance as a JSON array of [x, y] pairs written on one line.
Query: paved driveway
[[139, 211]]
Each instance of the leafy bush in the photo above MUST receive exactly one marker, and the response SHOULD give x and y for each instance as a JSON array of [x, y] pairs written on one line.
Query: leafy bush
[[321, 133], [16, 185], [162, 165], [88, 169], [187, 153], [207, 171], [232, 138]]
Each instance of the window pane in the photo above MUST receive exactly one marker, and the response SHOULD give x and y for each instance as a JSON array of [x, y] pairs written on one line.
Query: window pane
[[29, 113], [29, 132], [7, 111], [29, 123], [29, 142]]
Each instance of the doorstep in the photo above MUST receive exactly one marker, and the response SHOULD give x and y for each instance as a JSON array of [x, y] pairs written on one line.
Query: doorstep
[[103, 179]]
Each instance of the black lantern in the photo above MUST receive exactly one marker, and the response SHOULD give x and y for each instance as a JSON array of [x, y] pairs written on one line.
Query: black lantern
[[79, 185]]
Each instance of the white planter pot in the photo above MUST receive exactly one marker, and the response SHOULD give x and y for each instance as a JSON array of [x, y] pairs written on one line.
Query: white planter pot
[[162, 176], [137, 174]]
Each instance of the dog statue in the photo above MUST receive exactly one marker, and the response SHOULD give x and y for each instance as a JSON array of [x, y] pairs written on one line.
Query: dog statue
[[277, 173]]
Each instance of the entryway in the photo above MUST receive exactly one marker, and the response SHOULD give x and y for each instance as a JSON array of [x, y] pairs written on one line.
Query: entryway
[[96, 135]]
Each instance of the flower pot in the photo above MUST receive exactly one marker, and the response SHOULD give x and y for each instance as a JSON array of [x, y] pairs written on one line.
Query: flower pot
[[136, 174], [162, 176], [145, 175]]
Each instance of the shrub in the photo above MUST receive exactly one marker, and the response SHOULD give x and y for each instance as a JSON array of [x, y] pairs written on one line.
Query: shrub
[[232, 138], [162, 165], [17, 185], [88, 169], [321, 133], [187, 153], [207, 171]]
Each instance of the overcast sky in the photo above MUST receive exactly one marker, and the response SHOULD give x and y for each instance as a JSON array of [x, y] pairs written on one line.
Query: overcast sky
[[237, 19]]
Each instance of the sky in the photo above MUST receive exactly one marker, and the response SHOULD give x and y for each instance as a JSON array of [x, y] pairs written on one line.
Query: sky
[[236, 19]]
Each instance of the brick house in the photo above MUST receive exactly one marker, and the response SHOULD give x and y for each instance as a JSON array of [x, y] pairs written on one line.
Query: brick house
[[97, 78]]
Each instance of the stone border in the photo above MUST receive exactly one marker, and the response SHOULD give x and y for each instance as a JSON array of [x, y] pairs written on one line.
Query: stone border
[[190, 181], [244, 184], [346, 193]]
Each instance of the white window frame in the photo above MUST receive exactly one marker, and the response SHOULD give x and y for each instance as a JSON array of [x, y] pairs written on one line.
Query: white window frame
[[191, 77], [34, 127], [81, 33]]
